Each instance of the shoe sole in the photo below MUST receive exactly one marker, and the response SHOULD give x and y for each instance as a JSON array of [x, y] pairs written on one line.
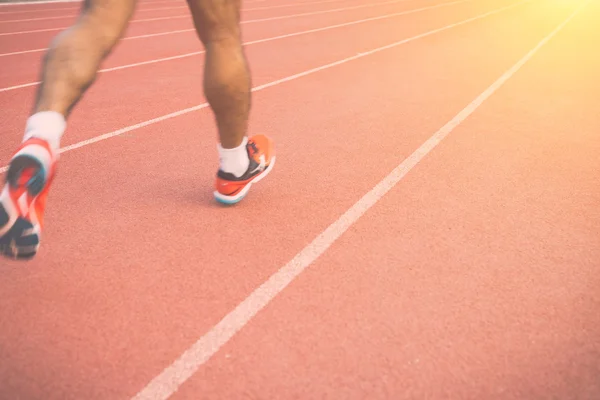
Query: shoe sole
[[9, 247], [13, 225], [13, 243], [229, 200]]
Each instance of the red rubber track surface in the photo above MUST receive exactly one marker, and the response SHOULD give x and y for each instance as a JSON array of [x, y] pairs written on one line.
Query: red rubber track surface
[[475, 277]]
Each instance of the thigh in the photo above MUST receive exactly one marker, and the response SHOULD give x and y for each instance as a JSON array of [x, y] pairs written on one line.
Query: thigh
[[216, 19]]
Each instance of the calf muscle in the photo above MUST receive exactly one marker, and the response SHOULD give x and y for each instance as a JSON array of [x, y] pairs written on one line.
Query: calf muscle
[[227, 81]]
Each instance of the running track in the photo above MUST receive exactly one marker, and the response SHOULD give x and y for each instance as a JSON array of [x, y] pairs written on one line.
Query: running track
[[431, 229]]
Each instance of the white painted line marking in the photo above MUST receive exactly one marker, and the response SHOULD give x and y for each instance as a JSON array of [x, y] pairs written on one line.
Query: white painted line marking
[[168, 382], [125, 38], [243, 22], [185, 55], [14, 53], [24, 85], [279, 81]]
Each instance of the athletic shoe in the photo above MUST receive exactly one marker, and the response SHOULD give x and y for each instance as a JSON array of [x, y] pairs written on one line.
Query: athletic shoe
[[231, 189], [23, 198]]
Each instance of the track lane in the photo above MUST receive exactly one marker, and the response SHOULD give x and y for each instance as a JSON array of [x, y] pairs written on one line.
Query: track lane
[[25, 23], [62, 7], [49, 28], [476, 276], [119, 308], [23, 69], [174, 9], [41, 39], [50, 8], [103, 109]]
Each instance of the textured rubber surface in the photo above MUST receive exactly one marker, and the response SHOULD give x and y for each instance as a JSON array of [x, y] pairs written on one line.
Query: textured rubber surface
[[474, 278]]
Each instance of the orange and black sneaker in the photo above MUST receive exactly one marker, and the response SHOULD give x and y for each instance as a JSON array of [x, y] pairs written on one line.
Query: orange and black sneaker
[[231, 189], [23, 198]]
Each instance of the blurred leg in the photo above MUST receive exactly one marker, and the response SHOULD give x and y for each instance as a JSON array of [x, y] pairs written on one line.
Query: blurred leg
[[68, 70]]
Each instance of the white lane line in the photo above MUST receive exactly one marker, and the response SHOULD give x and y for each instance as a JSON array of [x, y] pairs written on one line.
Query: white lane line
[[279, 81], [169, 381], [185, 55], [125, 38], [14, 53], [243, 22], [24, 85]]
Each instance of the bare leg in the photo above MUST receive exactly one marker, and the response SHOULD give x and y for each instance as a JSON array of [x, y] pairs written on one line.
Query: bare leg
[[227, 85], [227, 79], [71, 63], [69, 68]]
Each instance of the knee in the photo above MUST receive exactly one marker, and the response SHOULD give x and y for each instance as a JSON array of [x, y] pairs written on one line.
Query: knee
[[105, 35], [105, 22], [216, 20]]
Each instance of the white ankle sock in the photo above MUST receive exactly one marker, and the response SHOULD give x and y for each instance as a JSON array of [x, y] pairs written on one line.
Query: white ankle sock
[[47, 125], [235, 161]]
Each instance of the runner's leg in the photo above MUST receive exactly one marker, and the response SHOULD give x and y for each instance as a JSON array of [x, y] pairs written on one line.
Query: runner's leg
[[74, 57], [227, 87], [226, 73], [69, 68]]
